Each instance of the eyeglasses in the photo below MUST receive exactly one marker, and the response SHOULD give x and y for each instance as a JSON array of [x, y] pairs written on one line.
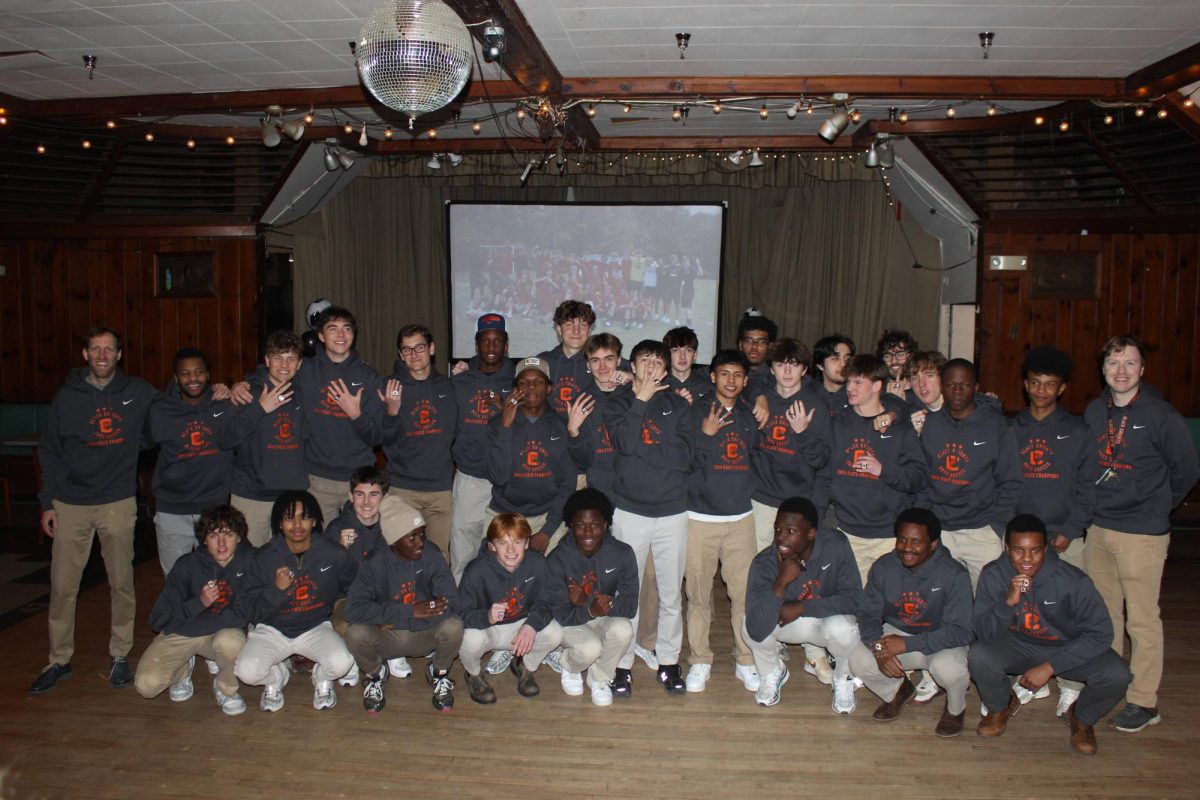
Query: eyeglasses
[[408, 350], [896, 355]]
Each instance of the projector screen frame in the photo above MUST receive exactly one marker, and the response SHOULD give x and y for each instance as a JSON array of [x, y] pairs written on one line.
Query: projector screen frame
[[469, 346]]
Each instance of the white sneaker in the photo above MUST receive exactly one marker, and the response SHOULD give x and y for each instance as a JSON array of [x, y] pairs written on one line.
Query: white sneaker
[[844, 701], [231, 704], [697, 677], [351, 678], [572, 683], [213, 667], [182, 689], [770, 685], [601, 692], [553, 660], [820, 668], [648, 656], [748, 675], [323, 695], [784, 653], [1026, 696], [1066, 696], [498, 662], [927, 689], [399, 668], [272, 695]]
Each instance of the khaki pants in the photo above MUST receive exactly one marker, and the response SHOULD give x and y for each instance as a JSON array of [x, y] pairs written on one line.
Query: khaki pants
[[113, 524], [469, 500], [176, 535], [948, 667], [476, 642], [596, 645], [665, 540], [647, 629], [837, 634], [729, 545], [331, 495], [974, 548], [372, 645], [258, 518], [436, 508], [1127, 569], [168, 660], [764, 524], [259, 662], [868, 551], [1074, 554]]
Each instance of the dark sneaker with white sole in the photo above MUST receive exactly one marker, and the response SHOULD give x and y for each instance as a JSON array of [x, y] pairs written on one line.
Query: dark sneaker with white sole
[[671, 679], [119, 674], [1132, 718], [50, 676]]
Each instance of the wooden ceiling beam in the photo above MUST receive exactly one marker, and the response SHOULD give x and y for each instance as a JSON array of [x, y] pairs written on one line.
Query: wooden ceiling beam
[[1186, 117], [621, 144], [1171, 73], [857, 86], [525, 59]]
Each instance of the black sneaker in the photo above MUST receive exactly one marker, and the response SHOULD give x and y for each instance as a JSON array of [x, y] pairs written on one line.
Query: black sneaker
[[119, 674], [50, 676], [622, 684], [373, 699], [1132, 718], [527, 685], [671, 679], [443, 689]]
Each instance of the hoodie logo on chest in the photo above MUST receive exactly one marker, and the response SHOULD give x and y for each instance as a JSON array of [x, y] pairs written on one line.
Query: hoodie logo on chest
[[424, 419], [733, 453], [651, 432], [535, 461], [514, 603], [483, 407], [1029, 622], [1037, 458], [910, 608], [407, 593], [284, 438], [302, 596], [197, 440], [564, 393], [107, 428], [224, 593], [858, 450], [951, 465]]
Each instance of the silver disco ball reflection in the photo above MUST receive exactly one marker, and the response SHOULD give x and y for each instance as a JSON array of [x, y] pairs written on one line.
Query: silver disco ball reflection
[[414, 55]]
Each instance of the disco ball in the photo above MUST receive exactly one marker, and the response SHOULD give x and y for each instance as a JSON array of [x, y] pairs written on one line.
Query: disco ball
[[414, 56]]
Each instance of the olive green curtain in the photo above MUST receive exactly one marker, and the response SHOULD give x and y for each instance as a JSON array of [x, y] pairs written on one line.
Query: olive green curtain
[[812, 241]]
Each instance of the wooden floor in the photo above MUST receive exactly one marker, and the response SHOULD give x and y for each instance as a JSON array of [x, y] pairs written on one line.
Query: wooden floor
[[86, 739]]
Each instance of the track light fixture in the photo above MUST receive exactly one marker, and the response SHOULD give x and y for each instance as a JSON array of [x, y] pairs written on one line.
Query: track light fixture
[[833, 127], [872, 159], [362, 137], [681, 41], [433, 162], [985, 41], [735, 157], [494, 43], [337, 157], [89, 64], [293, 129], [793, 110], [887, 154], [755, 161]]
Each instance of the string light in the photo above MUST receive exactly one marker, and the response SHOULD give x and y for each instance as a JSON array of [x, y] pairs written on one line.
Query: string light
[[432, 133], [591, 110], [676, 114], [308, 118], [903, 117], [3, 120], [149, 136], [110, 124], [86, 144], [1162, 113], [521, 114], [229, 140], [191, 144], [717, 107], [808, 109], [1064, 126], [992, 111], [1108, 119], [950, 112], [855, 115], [41, 149], [1139, 112], [1188, 102], [387, 134], [763, 113], [476, 127], [348, 128], [1039, 120], [627, 108]]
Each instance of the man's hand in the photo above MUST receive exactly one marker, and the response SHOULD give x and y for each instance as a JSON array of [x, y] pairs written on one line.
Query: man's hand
[[884, 421], [575, 593], [918, 420], [646, 377], [49, 522], [496, 613], [1036, 677], [459, 367], [241, 395], [430, 608], [869, 464], [274, 399], [601, 605], [509, 413], [889, 665], [539, 542], [889, 645], [347, 537], [715, 420], [522, 643], [798, 418], [789, 570], [685, 394], [1017, 587], [391, 396], [761, 411], [284, 577], [349, 403], [220, 391], [578, 411], [1060, 543], [210, 593]]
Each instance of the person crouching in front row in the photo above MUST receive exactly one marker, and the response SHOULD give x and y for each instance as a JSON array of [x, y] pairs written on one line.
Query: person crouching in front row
[[506, 607]]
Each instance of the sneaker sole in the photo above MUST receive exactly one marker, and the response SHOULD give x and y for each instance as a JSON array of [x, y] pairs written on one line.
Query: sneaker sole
[[1152, 721]]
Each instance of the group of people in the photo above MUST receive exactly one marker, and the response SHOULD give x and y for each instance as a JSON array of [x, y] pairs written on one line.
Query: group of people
[[556, 509]]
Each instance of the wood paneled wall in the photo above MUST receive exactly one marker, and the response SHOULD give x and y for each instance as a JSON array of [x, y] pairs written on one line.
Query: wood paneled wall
[[55, 290], [1147, 285]]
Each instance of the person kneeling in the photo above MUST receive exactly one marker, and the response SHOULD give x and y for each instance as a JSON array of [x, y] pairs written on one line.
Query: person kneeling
[[916, 614], [593, 591], [505, 607], [201, 612], [404, 604], [295, 579], [1037, 616], [803, 589]]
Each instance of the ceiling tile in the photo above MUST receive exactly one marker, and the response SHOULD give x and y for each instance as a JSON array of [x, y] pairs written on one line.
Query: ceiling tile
[[154, 54], [227, 12], [218, 52], [288, 10], [186, 34], [151, 14]]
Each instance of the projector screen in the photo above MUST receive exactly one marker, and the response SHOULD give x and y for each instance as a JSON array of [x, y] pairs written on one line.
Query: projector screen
[[644, 268]]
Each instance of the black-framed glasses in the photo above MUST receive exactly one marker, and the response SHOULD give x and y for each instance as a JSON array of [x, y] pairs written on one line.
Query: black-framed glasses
[[408, 350]]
